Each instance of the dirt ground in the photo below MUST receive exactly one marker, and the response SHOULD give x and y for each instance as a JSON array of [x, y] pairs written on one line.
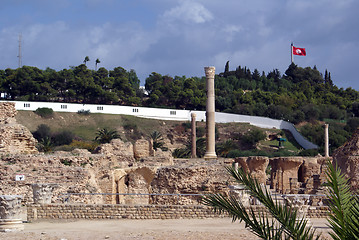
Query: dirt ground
[[193, 229]]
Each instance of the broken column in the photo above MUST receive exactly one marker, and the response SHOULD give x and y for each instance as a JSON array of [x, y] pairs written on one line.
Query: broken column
[[326, 144], [193, 134], [210, 115], [10, 213], [284, 172], [255, 165], [42, 192]]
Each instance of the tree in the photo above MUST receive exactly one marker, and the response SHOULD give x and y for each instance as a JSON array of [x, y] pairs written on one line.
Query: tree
[[158, 141], [86, 59], [105, 135], [226, 68], [97, 62]]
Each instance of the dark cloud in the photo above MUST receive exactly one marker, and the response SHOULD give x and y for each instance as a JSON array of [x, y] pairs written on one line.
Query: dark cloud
[[181, 37]]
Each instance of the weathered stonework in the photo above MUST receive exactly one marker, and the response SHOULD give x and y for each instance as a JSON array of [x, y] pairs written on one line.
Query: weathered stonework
[[255, 165], [284, 173], [43, 192], [10, 211], [347, 158], [143, 148], [14, 137]]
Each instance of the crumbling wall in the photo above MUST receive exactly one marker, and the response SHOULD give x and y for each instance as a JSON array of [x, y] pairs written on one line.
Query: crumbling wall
[[14, 137]]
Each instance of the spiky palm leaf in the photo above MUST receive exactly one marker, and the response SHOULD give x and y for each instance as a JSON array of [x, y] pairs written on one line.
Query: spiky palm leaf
[[280, 222], [105, 135], [343, 205]]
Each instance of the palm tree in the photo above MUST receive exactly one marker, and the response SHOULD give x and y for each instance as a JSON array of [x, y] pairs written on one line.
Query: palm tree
[[86, 59], [97, 62], [157, 141], [105, 135], [280, 221]]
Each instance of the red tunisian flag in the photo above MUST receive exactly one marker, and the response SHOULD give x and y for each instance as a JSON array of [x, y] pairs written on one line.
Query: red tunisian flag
[[299, 51]]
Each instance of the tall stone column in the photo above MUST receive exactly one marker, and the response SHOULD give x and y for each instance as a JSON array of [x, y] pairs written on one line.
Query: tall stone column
[[10, 211], [210, 115], [193, 135], [326, 140]]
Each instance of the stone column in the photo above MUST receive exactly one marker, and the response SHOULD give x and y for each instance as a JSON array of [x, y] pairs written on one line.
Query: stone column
[[194, 135], [210, 115], [10, 211], [326, 140], [42, 192]]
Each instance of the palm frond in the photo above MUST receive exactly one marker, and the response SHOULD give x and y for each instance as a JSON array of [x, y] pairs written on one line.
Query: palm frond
[[343, 205], [284, 222]]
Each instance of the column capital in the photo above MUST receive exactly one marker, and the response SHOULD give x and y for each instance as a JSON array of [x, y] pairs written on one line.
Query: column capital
[[210, 71]]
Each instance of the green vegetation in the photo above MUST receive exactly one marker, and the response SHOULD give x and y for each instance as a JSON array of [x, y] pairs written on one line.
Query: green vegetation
[[281, 221], [45, 112], [300, 95], [158, 141], [105, 135]]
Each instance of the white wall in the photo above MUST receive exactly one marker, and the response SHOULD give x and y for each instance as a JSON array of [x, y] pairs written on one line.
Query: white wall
[[168, 114]]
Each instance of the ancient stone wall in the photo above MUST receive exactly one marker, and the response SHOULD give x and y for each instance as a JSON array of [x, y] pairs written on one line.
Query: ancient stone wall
[[82, 211], [347, 158], [14, 138], [193, 177], [7, 112]]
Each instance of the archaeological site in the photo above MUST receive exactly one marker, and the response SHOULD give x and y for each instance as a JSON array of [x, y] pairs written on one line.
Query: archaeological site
[[125, 180]]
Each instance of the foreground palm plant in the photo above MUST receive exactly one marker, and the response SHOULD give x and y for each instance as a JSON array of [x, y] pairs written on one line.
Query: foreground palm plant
[[281, 221], [278, 222], [343, 204]]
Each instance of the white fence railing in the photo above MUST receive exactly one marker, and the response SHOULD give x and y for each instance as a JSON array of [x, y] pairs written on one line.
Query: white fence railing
[[168, 114]]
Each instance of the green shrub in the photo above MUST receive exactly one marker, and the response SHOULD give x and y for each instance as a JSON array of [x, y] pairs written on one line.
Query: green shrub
[[308, 153], [130, 126], [45, 112], [42, 131], [252, 137], [63, 138], [83, 112]]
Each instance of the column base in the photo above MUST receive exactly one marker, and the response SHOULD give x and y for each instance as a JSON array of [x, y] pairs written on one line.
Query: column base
[[11, 225], [210, 156]]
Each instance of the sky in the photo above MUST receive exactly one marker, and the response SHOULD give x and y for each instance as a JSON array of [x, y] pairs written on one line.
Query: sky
[[181, 37]]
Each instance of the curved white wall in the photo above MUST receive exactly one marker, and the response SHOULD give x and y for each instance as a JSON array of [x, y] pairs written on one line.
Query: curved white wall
[[168, 114]]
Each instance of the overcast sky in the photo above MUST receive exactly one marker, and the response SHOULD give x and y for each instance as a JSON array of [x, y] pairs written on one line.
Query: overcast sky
[[180, 37]]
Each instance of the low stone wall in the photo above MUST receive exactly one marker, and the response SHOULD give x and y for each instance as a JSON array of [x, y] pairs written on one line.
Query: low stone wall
[[109, 211]]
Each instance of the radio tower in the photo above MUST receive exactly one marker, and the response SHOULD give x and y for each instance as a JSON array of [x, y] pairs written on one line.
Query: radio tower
[[19, 56]]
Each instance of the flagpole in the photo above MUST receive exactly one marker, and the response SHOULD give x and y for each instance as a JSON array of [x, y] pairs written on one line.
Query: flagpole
[[291, 53]]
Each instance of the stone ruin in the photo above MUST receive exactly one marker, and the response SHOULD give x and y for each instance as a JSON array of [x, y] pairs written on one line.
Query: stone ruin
[[14, 137], [347, 158], [135, 174], [287, 175]]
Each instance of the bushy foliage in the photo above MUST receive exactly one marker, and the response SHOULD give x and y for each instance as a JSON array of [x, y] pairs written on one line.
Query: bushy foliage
[[301, 94], [253, 137], [45, 112], [42, 131], [83, 112], [64, 137]]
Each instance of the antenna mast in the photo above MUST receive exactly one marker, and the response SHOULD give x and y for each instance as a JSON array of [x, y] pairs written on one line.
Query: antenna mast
[[20, 56]]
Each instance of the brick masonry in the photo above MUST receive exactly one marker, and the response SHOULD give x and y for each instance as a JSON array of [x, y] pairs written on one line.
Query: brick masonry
[[116, 211]]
